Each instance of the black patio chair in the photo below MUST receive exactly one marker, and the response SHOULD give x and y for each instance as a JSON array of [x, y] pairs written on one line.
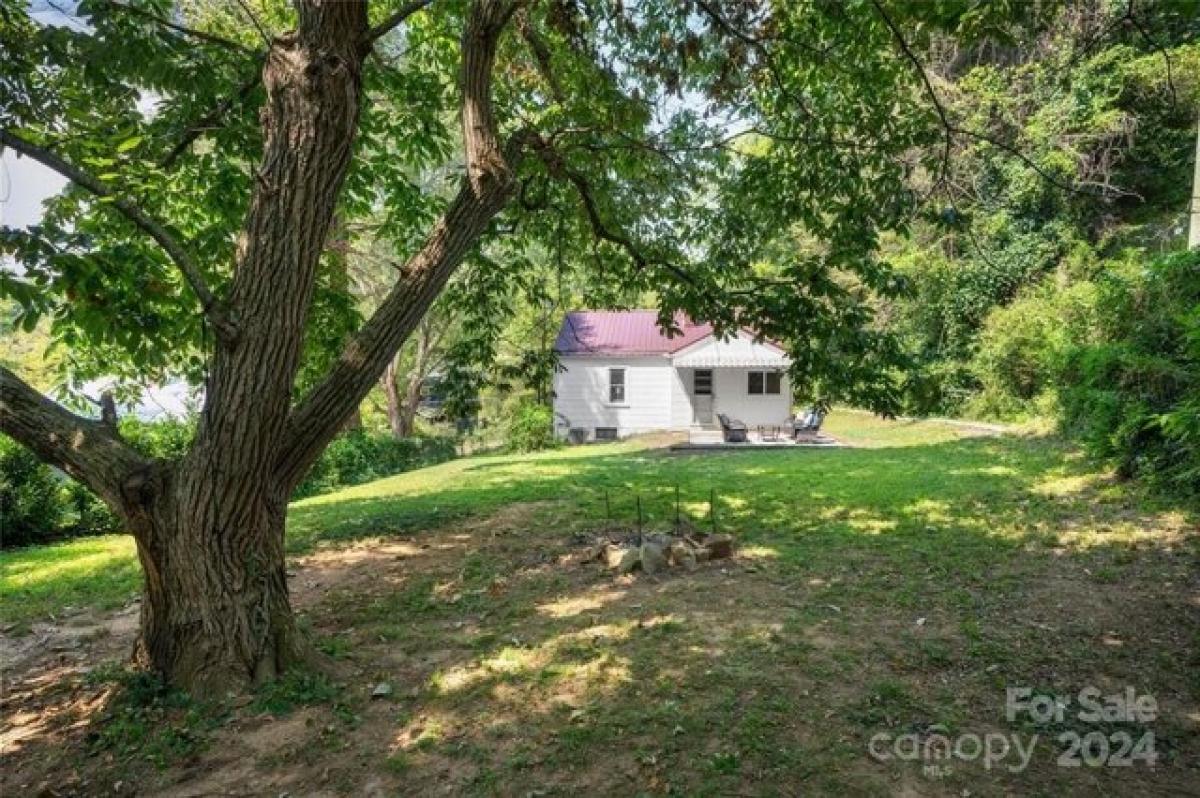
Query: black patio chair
[[732, 430]]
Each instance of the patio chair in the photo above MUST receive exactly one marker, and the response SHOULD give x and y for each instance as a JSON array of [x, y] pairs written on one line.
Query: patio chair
[[732, 430], [807, 424]]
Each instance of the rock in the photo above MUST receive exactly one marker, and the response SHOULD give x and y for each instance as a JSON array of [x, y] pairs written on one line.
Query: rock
[[611, 555], [622, 559], [630, 558], [654, 556], [719, 546], [681, 553], [382, 690], [659, 539]]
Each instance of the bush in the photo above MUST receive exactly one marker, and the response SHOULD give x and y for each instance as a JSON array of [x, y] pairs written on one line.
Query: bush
[[1133, 397], [359, 456], [31, 497], [38, 504], [1022, 347], [166, 439], [531, 428]]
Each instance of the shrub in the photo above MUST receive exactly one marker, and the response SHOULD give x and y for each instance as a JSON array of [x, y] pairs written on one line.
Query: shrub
[[531, 428], [166, 439], [38, 504], [358, 456], [31, 497], [1134, 396], [1022, 347]]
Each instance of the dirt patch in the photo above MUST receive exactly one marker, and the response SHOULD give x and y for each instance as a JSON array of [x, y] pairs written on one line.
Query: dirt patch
[[513, 669]]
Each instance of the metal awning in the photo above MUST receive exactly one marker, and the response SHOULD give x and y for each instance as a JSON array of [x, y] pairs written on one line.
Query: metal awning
[[710, 359]]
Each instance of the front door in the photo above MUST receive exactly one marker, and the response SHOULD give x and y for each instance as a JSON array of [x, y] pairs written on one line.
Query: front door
[[702, 396]]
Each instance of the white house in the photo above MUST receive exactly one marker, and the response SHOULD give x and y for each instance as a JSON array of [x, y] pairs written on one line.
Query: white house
[[620, 375]]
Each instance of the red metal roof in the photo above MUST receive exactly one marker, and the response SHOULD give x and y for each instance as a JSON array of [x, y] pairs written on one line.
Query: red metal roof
[[624, 332]]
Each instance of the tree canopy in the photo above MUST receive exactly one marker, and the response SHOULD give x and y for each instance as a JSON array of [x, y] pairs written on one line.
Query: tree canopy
[[739, 161], [678, 148]]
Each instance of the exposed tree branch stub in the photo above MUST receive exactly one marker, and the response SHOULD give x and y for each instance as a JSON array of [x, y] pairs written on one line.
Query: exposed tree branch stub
[[188, 267]]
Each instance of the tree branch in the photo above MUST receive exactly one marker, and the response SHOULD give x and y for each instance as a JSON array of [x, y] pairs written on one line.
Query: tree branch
[[85, 449], [603, 231], [485, 190], [175, 251], [394, 21], [199, 35], [210, 120], [950, 130], [933, 97]]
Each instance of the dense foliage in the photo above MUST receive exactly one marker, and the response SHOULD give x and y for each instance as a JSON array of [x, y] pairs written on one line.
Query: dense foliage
[[676, 151], [32, 497], [923, 201], [1134, 394], [1076, 164], [359, 456], [38, 504]]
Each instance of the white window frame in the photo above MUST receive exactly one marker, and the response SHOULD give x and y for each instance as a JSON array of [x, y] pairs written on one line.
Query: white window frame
[[623, 385], [763, 373]]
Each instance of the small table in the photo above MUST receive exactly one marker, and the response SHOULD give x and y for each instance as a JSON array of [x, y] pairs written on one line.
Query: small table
[[768, 432]]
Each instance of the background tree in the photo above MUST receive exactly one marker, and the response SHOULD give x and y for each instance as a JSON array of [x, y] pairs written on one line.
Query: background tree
[[1074, 163], [666, 147]]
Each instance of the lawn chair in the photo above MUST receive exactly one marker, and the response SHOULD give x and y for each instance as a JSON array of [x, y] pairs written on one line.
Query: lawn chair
[[807, 425], [732, 430]]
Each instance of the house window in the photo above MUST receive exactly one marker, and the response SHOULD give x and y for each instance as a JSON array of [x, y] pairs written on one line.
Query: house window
[[763, 382], [616, 386], [702, 382], [606, 433]]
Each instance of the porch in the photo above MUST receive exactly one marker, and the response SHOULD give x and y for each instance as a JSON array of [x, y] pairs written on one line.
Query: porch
[[739, 377], [757, 440]]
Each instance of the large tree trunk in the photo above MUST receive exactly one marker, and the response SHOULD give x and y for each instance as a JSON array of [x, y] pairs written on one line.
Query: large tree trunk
[[209, 528], [215, 611], [216, 614]]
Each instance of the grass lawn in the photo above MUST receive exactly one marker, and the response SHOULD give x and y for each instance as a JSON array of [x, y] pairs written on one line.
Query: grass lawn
[[893, 588]]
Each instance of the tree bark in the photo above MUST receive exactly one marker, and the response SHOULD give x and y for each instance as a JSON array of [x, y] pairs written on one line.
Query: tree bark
[[412, 401], [216, 616], [402, 407], [391, 392], [488, 186]]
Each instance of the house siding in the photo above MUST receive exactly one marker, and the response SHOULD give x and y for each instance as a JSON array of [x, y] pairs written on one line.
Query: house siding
[[657, 396], [581, 394], [732, 398]]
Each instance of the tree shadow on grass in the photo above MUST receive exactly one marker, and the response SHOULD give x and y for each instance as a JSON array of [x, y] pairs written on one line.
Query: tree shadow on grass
[[879, 590], [876, 591]]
